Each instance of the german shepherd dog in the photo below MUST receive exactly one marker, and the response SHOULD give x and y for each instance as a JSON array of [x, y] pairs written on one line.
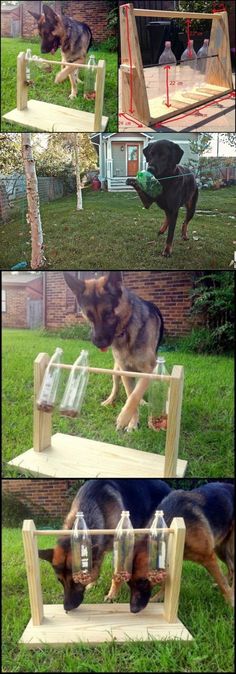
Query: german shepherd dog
[[101, 501], [179, 187], [208, 512], [132, 327], [73, 37]]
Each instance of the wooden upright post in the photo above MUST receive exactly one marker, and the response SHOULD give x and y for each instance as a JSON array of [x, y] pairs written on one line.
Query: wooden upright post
[[42, 420], [174, 568], [100, 84], [21, 88], [137, 104], [174, 420], [33, 571], [218, 70]]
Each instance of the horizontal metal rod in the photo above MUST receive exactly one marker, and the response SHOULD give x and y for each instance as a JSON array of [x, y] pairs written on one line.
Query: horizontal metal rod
[[93, 532], [58, 63], [176, 14], [119, 373]]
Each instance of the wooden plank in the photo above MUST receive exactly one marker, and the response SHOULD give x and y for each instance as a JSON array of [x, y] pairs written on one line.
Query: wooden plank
[[71, 456], [175, 562], [98, 623], [100, 84], [169, 14], [49, 117], [159, 111], [140, 107], [33, 572], [174, 420], [218, 70], [21, 86], [42, 420]]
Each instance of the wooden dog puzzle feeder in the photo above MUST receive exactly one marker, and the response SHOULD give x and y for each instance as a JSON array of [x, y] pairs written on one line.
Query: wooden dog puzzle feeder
[[145, 105], [98, 623], [63, 455], [49, 117]]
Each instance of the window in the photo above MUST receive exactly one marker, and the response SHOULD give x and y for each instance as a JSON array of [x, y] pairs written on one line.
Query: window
[[4, 301]]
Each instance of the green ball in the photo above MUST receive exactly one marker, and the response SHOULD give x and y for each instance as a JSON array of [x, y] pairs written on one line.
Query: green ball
[[149, 183]]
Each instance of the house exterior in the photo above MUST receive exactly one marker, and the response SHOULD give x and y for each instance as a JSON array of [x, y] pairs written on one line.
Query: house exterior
[[16, 21], [22, 300], [121, 155]]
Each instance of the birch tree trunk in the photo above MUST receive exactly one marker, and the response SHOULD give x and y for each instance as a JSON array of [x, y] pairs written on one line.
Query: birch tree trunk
[[33, 215], [77, 173]]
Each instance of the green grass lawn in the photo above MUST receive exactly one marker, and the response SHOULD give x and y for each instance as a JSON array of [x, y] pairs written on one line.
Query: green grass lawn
[[202, 609], [44, 88], [114, 231], [206, 438]]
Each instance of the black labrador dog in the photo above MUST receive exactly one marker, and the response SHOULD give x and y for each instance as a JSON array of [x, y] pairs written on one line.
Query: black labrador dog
[[179, 187]]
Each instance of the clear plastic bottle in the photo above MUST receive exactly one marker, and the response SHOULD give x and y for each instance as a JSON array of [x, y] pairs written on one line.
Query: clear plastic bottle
[[90, 79], [157, 548], [47, 395], [81, 548], [167, 58], [188, 65], [76, 388], [158, 398], [202, 61], [123, 548]]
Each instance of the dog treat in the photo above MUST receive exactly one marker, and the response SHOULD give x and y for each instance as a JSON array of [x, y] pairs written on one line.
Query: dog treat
[[158, 423], [69, 413], [121, 576], [149, 183], [43, 407], [82, 577], [158, 576]]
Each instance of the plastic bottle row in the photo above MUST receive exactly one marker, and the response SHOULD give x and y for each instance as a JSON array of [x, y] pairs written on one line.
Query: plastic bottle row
[[192, 67], [123, 548], [75, 388]]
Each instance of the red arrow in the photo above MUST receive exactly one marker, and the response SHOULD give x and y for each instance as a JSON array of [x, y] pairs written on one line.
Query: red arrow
[[167, 87], [122, 114]]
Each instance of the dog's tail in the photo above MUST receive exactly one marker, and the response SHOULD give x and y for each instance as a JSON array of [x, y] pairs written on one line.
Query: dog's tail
[[154, 311]]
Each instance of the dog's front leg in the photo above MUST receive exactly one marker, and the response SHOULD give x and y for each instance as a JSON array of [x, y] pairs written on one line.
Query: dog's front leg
[[115, 388], [146, 200], [131, 406], [112, 594], [211, 564], [171, 217]]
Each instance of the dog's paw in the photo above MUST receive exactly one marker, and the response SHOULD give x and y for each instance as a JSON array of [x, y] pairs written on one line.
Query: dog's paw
[[123, 420], [166, 252], [143, 402], [108, 401], [59, 78], [133, 424], [73, 95], [108, 598], [185, 237]]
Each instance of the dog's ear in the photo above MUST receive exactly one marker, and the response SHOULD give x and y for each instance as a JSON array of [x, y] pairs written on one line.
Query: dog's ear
[[114, 282], [46, 554], [178, 153], [146, 151], [50, 14], [34, 14], [76, 285]]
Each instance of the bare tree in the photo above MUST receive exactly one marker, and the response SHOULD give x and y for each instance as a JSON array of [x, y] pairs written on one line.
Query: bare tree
[[33, 215]]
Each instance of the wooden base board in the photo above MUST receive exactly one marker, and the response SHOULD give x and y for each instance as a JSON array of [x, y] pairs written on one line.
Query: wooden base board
[[97, 623], [184, 102], [49, 117], [72, 456]]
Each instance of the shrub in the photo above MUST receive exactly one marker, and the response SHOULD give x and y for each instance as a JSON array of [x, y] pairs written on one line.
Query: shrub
[[78, 331]]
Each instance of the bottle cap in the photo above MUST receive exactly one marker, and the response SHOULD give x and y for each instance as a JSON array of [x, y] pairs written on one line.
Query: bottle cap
[[125, 512], [168, 44], [161, 359], [79, 513]]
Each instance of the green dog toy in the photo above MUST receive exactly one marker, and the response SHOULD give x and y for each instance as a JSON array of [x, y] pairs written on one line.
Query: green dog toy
[[149, 183]]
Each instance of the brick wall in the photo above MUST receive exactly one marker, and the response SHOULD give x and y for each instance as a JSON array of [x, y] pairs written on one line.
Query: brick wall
[[6, 19], [15, 315], [169, 290], [91, 12], [41, 496]]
